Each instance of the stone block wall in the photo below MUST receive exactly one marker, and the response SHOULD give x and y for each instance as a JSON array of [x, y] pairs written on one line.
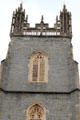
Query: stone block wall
[[62, 72], [58, 106]]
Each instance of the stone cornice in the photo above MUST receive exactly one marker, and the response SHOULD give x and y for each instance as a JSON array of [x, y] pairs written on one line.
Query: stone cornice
[[28, 92]]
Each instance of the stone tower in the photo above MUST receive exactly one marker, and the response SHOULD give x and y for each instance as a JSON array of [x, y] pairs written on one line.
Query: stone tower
[[39, 78]]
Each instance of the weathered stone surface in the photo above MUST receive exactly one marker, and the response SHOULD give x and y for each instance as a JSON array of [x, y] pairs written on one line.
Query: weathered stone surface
[[62, 73], [62, 78], [58, 106], [54, 96]]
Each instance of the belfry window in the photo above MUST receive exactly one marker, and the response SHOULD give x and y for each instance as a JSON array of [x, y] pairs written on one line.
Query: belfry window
[[38, 68], [36, 112]]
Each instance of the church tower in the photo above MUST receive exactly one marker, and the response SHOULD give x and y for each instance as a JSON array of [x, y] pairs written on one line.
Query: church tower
[[39, 79]]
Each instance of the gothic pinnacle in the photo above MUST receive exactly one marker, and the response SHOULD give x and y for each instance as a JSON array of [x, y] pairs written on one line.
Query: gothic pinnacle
[[42, 19]]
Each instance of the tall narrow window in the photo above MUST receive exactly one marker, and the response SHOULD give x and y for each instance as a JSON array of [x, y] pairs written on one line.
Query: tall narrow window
[[38, 67], [35, 70], [36, 112], [42, 69]]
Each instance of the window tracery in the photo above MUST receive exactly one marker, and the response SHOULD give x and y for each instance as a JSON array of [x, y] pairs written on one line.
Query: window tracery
[[38, 67], [36, 112]]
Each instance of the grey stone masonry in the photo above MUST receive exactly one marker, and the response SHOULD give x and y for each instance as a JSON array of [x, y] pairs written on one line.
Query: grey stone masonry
[[58, 106], [60, 96], [62, 71]]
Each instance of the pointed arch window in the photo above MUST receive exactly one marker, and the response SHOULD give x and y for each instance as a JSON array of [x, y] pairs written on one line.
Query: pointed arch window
[[36, 112], [38, 67]]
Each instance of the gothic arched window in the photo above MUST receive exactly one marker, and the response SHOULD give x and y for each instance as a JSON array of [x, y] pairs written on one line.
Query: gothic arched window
[[38, 67], [36, 112]]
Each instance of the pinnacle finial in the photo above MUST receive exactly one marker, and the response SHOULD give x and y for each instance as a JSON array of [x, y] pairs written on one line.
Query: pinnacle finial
[[42, 18], [21, 3], [64, 8], [20, 8], [56, 18]]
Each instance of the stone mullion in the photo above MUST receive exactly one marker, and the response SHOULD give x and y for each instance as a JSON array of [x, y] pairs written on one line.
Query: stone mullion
[[38, 70]]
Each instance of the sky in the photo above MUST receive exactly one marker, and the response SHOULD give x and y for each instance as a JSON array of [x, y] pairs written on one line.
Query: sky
[[34, 9]]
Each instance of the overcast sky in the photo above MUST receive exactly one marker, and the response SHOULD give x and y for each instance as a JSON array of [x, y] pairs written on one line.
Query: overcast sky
[[36, 8]]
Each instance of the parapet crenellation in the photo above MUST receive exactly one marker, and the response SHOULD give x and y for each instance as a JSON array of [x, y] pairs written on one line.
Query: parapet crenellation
[[20, 25]]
